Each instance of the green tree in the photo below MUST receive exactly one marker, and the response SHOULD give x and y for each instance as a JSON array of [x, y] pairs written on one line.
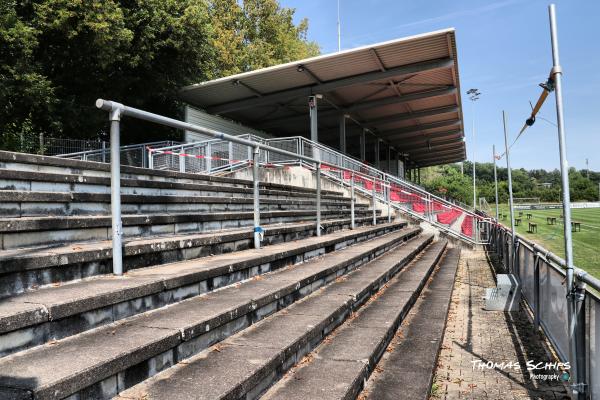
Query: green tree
[[58, 56]]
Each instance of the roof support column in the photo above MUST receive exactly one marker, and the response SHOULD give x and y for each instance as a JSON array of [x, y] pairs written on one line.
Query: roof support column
[[314, 129], [397, 164], [377, 140], [363, 145], [343, 133], [389, 159]]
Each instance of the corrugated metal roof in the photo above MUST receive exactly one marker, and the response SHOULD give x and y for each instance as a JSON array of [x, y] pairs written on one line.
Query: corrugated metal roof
[[374, 84]]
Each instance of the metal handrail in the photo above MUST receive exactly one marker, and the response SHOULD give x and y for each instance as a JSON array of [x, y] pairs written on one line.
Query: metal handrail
[[117, 111], [100, 151]]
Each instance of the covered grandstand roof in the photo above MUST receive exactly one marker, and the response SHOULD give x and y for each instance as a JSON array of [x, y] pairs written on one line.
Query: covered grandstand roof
[[404, 91]]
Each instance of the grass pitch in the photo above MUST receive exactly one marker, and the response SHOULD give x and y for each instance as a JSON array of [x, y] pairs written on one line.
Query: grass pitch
[[586, 244]]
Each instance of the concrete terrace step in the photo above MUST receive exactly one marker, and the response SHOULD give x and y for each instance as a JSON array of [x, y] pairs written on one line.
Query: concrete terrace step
[[26, 268], [420, 342], [244, 365], [10, 161], [23, 204], [338, 368], [53, 313], [122, 354], [35, 231], [47, 182]]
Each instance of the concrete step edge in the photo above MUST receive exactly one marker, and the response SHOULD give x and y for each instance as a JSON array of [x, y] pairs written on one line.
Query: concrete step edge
[[330, 308], [22, 312], [162, 334]]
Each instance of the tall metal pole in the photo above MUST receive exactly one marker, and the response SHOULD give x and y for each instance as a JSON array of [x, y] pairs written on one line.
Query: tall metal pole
[[511, 255], [495, 178], [256, 196], [115, 191], [339, 30], [564, 170]]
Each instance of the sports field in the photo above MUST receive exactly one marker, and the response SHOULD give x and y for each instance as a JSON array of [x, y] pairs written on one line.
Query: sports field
[[586, 244]]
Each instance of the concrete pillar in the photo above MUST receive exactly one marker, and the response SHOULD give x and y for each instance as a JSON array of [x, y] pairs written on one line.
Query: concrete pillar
[[314, 130], [377, 153], [363, 145], [343, 134]]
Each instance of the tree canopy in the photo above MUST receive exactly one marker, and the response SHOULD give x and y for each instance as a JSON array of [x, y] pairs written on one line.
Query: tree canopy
[[58, 56], [447, 180]]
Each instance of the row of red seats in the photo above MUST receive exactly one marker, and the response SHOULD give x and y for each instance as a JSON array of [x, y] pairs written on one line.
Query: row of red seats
[[467, 226], [449, 217]]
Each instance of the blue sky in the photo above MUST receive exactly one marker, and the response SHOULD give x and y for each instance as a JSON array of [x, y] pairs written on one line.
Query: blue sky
[[504, 51]]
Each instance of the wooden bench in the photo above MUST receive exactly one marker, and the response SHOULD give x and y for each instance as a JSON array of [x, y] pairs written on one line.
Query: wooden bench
[[551, 220], [575, 226], [529, 216], [517, 221], [520, 213], [532, 227]]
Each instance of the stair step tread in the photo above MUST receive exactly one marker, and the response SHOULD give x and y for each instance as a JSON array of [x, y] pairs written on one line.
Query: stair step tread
[[338, 367], [90, 169], [420, 341], [39, 176], [154, 331], [273, 341], [20, 224], [12, 260], [57, 302], [70, 197]]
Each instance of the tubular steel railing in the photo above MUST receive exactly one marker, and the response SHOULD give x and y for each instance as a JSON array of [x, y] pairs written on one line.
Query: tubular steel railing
[[217, 155], [252, 151], [134, 155], [542, 276]]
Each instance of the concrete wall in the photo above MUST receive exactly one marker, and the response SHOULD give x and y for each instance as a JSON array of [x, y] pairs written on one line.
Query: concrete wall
[[201, 118]]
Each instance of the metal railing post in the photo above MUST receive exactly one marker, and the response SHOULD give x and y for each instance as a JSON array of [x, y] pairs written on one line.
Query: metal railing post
[[209, 157], [150, 159], [536, 291], [103, 151], [181, 160], [373, 204], [318, 178], [352, 200], [389, 204], [256, 195], [115, 190]]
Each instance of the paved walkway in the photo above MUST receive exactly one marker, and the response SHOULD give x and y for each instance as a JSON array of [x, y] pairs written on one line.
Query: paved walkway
[[475, 334]]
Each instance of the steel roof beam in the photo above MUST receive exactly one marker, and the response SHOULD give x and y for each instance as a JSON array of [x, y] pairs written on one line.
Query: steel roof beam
[[325, 87], [363, 106]]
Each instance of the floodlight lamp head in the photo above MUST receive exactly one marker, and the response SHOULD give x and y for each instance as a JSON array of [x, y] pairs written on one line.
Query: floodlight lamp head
[[300, 68]]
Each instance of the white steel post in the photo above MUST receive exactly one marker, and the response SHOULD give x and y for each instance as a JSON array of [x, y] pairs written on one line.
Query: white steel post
[[318, 178], [495, 178], [115, 190], [352, 200], [389, 204], [556, 74], [256, 195], [374, 193], [511, 254]]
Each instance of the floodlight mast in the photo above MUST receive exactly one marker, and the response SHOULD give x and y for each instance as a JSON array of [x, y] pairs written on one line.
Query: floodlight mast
[[474, 96]]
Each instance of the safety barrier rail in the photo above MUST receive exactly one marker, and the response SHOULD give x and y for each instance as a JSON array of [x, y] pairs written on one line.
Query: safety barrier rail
[[135, 155], [217, 155], [542, 277]]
